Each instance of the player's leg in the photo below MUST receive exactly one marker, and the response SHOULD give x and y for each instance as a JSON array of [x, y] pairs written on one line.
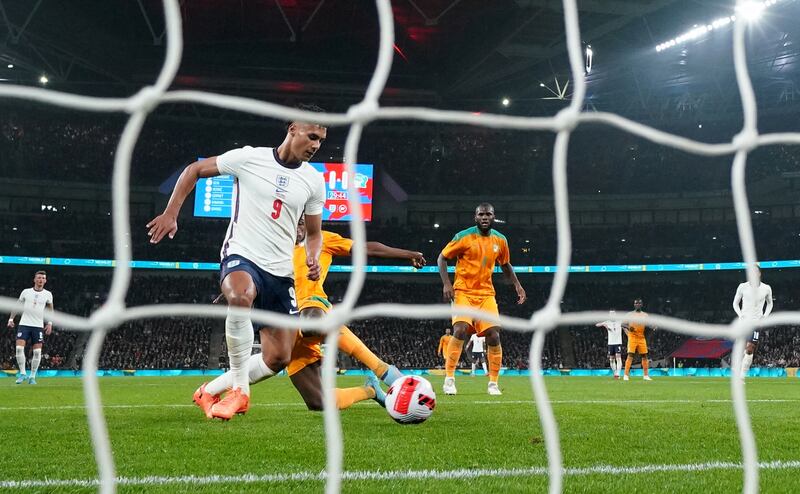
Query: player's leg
[[482, 358], [474, 363], [352, 345], [308, 382], [749, 352], [619, 360], [645, 362], [629, 360], [612, 361], [461, 329], [37, 357], [20, 354], [239, 288], [494, 353]]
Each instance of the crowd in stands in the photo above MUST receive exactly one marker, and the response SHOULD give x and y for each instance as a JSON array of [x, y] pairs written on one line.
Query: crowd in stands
[[185, 342], [88, 235], [57, 145]]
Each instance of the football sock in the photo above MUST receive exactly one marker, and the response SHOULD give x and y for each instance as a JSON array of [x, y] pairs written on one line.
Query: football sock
[[239, 336], [345, 397], [392, 374], [628, 362], [352, 345], [453, 355], [257, 371], [646, 366], [495, 356], [747, 361], [619, 363], [37, 357], [483, 364], [21, 359], [613, 364]]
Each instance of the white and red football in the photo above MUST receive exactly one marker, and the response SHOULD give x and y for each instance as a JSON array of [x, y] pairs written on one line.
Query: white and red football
[[410, 400]]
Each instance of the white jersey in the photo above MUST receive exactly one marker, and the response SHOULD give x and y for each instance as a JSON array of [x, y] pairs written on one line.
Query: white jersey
[[753, 300], [35, 303], [477, 343], [614, 332], [268, 199]]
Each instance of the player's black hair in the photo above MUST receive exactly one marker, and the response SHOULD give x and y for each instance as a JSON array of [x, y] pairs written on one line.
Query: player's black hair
[[40, 272], [483, 205], [305, 107]]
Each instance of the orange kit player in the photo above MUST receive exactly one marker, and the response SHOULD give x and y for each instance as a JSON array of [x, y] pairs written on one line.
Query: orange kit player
[[443, 342], [636, 341], [476, 251], [304, 367]]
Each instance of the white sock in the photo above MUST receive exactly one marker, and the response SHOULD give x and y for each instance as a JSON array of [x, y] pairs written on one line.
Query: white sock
[[220, 384], [21, 359], [613, 365], [37, 357], [619, 363], [239, 336], [747, 361], [257, 371], [483, 364], [473, 369]]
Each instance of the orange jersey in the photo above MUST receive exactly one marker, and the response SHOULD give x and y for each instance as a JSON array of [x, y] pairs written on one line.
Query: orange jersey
[[636, 329], [333, 244], [476, 256], [443, 342]]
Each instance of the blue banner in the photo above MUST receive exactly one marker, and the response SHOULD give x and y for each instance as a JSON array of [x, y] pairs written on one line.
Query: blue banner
[[214, 266]]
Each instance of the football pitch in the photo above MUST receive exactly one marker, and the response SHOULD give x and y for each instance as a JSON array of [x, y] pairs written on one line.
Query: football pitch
[[668, 435]]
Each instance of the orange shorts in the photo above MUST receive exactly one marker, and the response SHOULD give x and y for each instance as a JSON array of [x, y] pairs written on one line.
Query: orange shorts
[[306, 351], [485, 303], [637, 345]]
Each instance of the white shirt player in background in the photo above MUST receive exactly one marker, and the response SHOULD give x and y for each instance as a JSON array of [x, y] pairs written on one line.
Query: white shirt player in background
[[614, 330], [273, 187], [31, 325], [749, 304], [478, 351]]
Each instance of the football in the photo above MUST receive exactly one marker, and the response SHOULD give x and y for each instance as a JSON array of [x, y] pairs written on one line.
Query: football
[[410, 400]]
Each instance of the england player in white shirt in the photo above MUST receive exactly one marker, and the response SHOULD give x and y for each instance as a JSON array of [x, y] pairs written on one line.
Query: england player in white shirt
[[749, 304], [478, 351], [614, 330], [31, 325], [273, 187]]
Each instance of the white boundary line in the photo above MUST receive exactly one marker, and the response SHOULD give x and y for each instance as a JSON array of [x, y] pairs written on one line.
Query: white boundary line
[[459, 474]]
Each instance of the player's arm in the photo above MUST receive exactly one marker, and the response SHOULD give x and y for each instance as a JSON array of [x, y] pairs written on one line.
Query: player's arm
[[377, 249], [48, 328], [737, 301], [768, 310], [167, 222], [447, 286], [11, 317], [313, 244], [508, 270]]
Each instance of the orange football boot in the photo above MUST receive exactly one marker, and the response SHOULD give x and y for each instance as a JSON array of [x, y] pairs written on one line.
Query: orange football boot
[[205, 400], [235, 402]]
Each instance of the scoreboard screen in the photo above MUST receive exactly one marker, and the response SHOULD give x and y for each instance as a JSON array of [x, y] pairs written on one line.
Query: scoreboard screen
[[214, 196]]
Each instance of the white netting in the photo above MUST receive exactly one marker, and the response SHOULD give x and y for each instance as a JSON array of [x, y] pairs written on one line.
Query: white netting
[[544, 320]]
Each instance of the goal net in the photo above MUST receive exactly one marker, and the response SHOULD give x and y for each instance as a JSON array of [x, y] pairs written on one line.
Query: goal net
[[114, 312]]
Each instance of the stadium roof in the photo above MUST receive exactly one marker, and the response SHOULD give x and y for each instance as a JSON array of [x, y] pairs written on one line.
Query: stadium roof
[[449, 53]]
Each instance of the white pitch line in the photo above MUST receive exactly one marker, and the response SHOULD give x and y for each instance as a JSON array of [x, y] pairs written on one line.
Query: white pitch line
[[459, 474], [479, 402]]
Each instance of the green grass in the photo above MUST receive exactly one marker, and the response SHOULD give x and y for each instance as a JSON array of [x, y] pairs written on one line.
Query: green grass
[[678, 423]]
